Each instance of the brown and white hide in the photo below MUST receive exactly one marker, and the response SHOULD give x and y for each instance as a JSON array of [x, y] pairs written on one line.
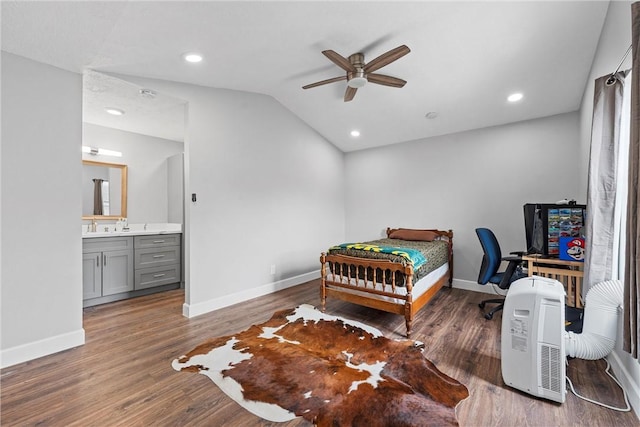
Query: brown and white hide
[[329, 370]]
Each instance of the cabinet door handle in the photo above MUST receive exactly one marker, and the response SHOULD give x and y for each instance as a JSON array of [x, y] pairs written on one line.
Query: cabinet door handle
[[104, 260], [158, 256], [158, 241], [97, 260], [159, 275]]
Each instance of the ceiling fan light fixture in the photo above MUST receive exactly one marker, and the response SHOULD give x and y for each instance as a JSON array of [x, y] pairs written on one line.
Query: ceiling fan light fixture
[[357, 82]]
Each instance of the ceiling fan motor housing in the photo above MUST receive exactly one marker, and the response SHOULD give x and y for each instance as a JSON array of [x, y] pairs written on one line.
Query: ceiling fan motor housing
[[356, 79]]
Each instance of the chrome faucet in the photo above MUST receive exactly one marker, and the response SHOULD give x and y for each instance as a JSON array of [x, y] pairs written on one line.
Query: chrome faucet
[[94, 225], [145, 226]]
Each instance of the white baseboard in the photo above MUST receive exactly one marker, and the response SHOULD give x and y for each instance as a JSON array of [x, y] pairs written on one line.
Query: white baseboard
[[468, 285], [192, 310], [33, 350], [629, 382]]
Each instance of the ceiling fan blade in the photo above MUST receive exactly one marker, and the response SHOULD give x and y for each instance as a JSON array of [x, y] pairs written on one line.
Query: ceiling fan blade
[[349, 93], [324, 82], [386, 58], [339, 60], [381, 79]]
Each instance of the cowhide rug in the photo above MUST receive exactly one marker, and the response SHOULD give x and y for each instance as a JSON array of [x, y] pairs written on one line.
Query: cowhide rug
[[329, 370]]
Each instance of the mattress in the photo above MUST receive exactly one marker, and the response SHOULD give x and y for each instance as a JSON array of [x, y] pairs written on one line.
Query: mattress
[[435, 252]]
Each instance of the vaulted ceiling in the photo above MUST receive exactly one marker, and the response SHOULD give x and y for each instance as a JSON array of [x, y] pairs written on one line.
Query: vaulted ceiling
[[465, 59]]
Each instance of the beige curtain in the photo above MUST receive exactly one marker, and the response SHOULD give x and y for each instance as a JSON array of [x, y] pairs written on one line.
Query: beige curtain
[[631, 335], [97, 196], [603, 185]]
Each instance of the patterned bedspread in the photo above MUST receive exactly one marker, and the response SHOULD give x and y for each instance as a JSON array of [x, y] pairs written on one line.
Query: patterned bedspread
[[436, 254]]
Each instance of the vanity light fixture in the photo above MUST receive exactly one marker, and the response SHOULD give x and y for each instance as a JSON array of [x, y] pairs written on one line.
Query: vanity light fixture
[[100, 151], [114, 111], [515, 97], [355, 133], [192, 57]]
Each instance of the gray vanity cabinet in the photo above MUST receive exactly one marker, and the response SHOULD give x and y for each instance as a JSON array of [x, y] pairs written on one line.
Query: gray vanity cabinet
[[121, 267], [91, 275], [107, 266], [157, 260]]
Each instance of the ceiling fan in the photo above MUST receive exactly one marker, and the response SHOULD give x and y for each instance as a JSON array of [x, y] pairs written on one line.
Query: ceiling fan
[[359, 73]]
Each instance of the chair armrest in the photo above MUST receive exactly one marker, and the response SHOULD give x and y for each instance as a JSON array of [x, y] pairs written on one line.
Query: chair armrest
[[519, 253], [514, 262]]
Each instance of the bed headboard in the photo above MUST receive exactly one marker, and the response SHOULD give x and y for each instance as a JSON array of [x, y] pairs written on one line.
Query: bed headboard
[[440, 234]]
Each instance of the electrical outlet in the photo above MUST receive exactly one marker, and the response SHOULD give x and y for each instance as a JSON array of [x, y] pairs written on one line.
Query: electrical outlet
[[273, 269]]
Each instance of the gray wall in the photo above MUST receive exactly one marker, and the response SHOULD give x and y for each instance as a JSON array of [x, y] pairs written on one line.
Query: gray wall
[[479, 178], [41, 256], [146, 159], [175, 188]]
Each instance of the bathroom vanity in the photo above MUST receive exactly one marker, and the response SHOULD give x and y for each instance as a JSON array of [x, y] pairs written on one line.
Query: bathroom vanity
[[127, 264]]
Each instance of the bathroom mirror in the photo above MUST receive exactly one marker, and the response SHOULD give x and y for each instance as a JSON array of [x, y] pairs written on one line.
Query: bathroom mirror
[[104, 190]]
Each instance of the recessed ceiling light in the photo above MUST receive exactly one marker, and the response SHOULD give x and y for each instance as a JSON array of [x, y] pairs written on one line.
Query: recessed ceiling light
[[514, 97], [192, 57], [355, 133], [114, 111]]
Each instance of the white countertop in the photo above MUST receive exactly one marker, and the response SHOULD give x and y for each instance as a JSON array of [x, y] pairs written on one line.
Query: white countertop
[[134, 230]]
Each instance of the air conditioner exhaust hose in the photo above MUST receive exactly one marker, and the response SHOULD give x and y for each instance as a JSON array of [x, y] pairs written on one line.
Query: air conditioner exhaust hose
[[600, 322]]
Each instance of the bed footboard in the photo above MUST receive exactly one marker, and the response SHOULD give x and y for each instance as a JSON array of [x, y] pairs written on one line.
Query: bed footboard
[[374, 282], [359, 280]]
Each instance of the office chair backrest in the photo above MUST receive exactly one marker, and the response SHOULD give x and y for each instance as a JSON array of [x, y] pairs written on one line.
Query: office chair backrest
[[492, 255]]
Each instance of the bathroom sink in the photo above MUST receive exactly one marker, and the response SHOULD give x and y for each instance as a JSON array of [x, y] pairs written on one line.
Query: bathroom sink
[[135, 230]]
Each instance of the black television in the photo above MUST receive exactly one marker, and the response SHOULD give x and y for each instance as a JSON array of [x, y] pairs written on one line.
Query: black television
[[545, 223]]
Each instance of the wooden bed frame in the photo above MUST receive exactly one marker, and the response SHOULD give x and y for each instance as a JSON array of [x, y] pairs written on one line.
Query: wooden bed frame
[[408, 307]]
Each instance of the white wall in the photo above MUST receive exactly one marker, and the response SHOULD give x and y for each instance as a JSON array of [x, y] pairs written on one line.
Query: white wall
[[614, 42], [615, 39], [269, 192], [41, 283], [146, 159], [479, 178]]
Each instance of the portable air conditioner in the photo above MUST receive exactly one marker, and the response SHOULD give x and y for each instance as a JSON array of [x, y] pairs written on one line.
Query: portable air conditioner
[[533, 353]]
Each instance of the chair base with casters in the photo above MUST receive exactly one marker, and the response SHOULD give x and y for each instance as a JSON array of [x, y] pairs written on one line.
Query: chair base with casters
[[493, 311], [491, 262], [504, 279]]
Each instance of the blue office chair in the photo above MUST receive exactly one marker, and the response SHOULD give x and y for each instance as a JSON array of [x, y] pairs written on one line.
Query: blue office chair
[[491, 263]]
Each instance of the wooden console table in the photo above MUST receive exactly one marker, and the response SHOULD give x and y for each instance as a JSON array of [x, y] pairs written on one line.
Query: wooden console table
[[569, 273]]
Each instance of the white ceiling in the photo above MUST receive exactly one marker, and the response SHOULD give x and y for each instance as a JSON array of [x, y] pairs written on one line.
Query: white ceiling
[[466, 57], [149, 113]]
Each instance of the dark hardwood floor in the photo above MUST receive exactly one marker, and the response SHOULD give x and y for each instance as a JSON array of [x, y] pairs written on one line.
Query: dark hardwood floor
[[122, 376]]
